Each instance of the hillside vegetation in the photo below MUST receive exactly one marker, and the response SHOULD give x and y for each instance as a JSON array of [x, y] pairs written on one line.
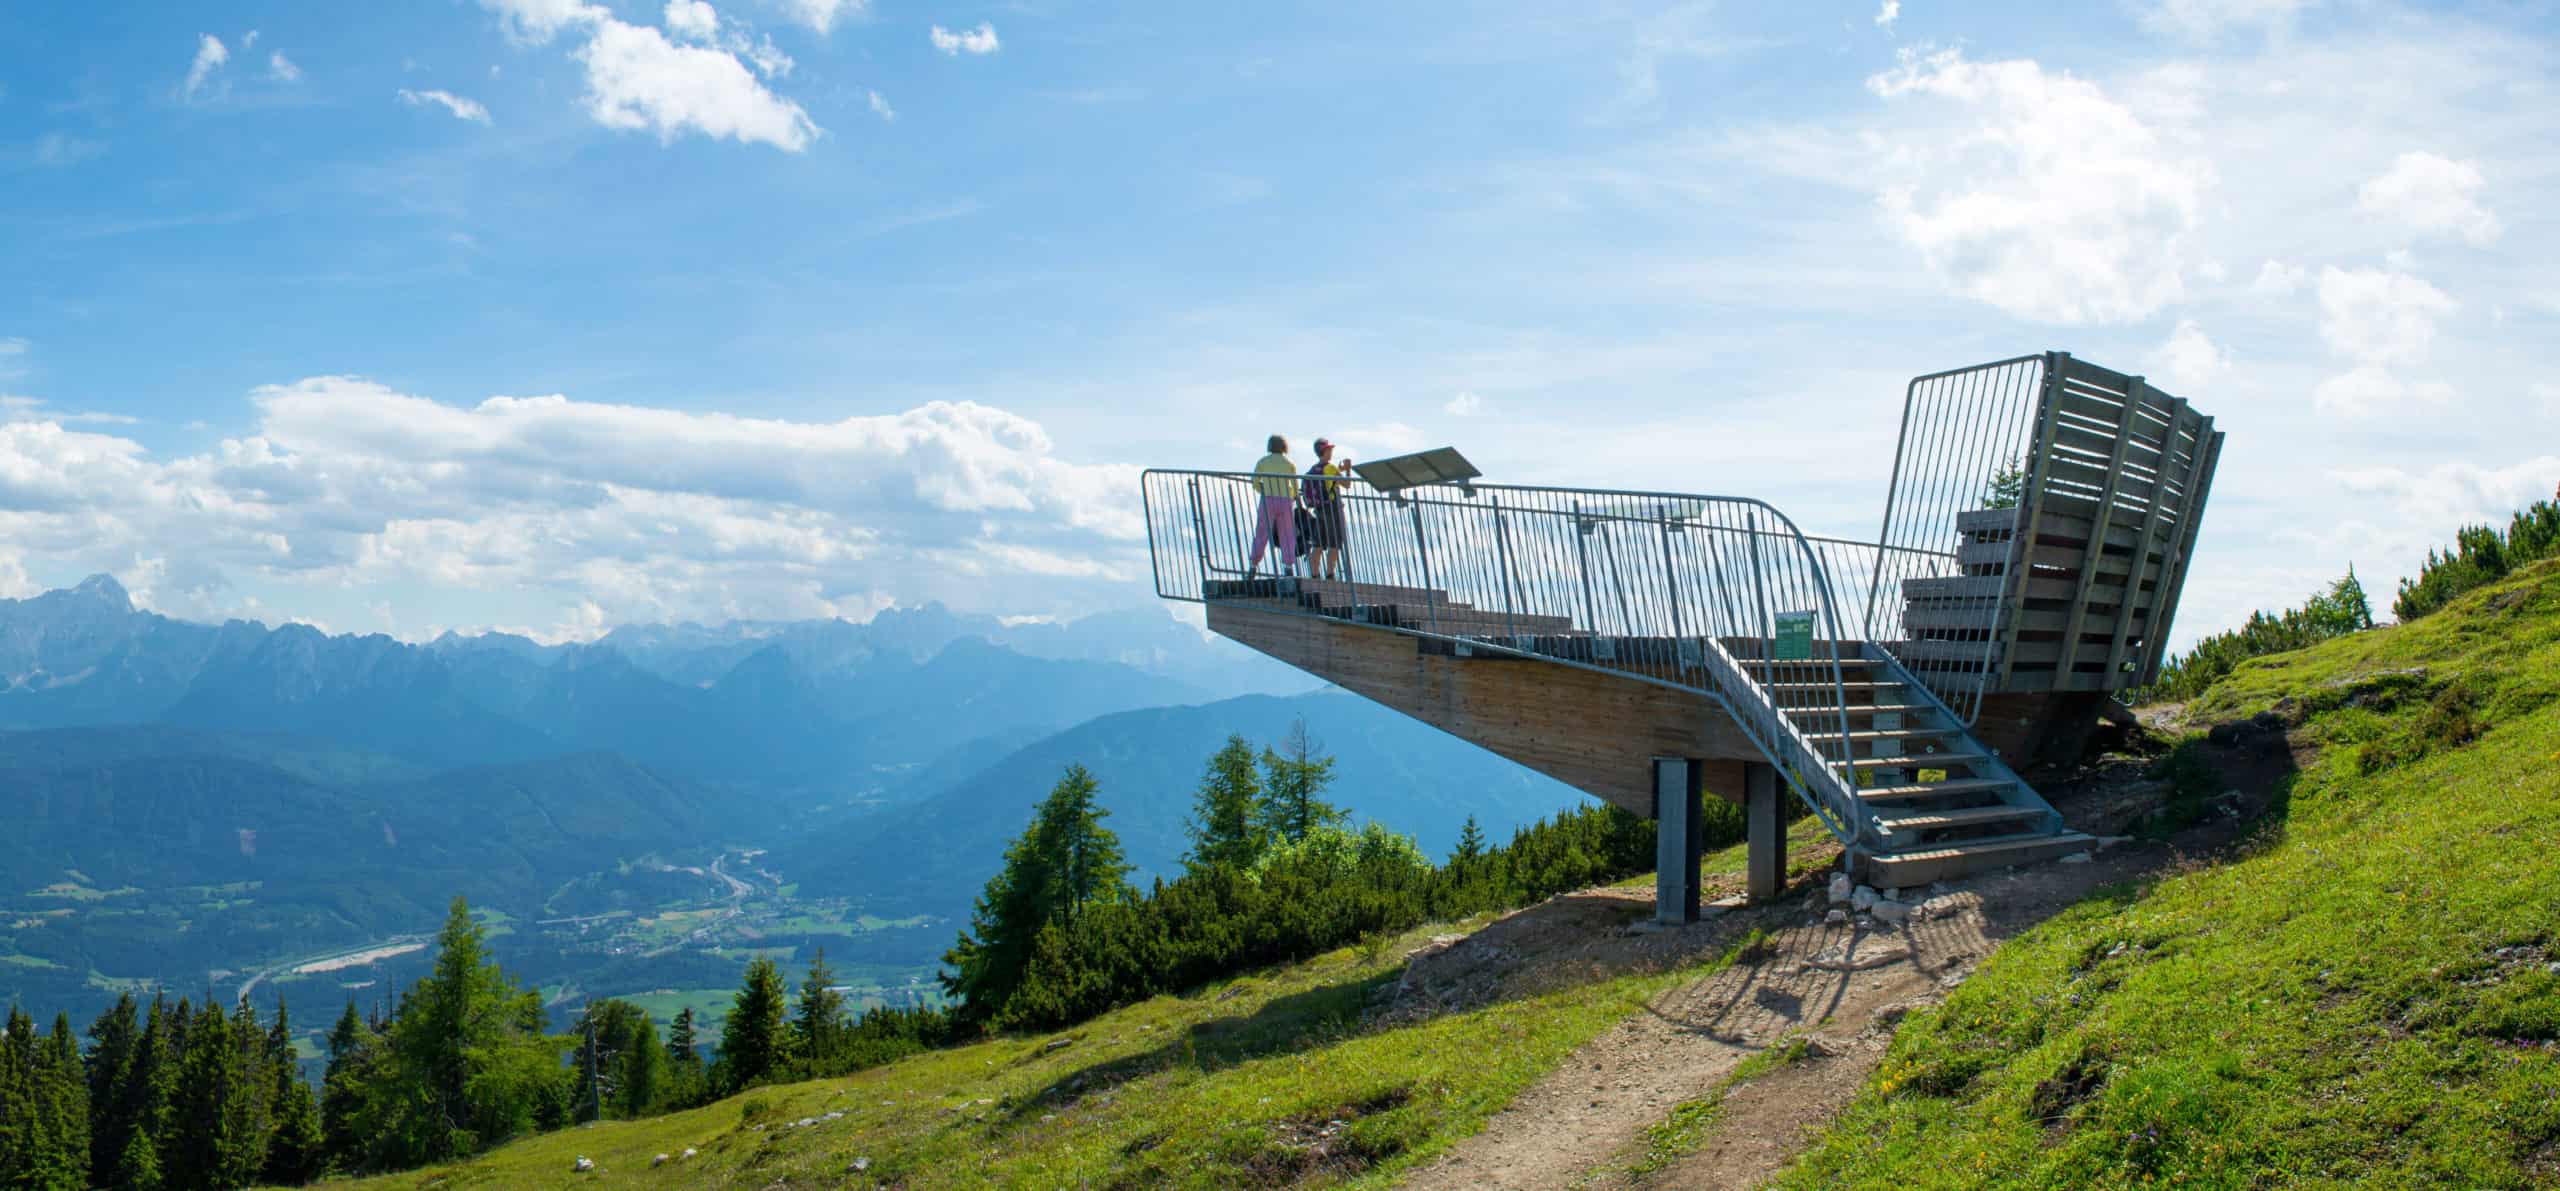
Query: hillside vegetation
[[2370, 996]]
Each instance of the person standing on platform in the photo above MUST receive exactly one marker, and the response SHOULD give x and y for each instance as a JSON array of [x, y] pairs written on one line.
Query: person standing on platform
[[1275, 480], [1322, 493]]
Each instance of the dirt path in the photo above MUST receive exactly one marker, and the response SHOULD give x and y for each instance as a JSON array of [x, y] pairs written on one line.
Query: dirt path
[[1844, 987]]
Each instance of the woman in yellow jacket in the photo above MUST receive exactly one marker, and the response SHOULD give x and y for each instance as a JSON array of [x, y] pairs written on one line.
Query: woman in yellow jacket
[[1275, 478]]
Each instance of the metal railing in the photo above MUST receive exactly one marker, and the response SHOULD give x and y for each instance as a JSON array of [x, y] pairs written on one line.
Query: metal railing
[[1966, 445], [1722, 596]]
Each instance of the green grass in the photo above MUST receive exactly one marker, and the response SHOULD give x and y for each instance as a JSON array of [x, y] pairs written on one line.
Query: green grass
[[2370, 996], [1236, 1083]]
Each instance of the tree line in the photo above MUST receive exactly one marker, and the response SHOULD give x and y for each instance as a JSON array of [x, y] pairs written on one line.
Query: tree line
[[2481, 554], [2335, 612], [1272, 875], [182, 1096]]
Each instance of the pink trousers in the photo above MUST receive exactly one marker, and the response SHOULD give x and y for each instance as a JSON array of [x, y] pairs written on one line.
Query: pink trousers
[[1277, 518]]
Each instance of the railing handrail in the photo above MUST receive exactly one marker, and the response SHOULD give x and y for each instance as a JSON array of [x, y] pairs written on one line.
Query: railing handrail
[[1754, 707]]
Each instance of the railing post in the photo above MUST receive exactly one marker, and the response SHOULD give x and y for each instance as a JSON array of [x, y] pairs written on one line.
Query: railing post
[[1502, 557], [1422, 552], [1582, 567], [1200, 532], [1670, 580]]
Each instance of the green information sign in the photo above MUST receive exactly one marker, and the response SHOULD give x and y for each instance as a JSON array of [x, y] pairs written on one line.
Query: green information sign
[[1794, 642]]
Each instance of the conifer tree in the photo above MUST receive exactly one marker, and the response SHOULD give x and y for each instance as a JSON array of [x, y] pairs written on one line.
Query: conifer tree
[[143, 1102], [1470, 845], [115, 1041], [351, 1050], [1064, 861], [644, 1065], [817, 1025], [684, 1059], [755, 1041], [1223, 828], [202, 1148], [66, 1102], [1294, 779]]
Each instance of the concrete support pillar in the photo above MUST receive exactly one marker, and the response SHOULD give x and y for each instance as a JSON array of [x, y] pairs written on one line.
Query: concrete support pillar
[[1765, 830], [1677, 783]]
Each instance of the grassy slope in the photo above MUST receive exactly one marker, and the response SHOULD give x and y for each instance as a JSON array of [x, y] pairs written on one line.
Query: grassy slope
[[1234, 1084], [2370, 998]]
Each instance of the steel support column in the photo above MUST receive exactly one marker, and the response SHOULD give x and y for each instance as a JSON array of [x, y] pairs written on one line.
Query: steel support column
[[1677, 784]]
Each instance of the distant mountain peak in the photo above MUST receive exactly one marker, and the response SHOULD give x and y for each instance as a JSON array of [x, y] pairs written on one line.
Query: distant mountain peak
[[103, 588]]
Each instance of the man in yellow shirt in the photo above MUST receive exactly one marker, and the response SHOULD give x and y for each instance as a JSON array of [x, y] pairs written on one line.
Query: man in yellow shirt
[[1275, 478]]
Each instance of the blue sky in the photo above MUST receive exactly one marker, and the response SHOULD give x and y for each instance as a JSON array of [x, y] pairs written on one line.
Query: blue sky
[[553, 315]]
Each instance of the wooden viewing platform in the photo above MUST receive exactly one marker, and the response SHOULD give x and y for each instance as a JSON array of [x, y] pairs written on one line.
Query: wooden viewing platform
[[1652, 648]]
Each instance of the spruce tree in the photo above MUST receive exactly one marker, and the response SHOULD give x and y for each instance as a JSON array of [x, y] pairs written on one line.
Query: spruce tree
[[202, 1149], [644, 1065], [143, 1102], [1064, 861], [66, 1099], [1294, 779], [1470, 845], [684, 1052], [115, 1043], [755, 1041], [817, 1025], [351, 1048], [1223, 828]]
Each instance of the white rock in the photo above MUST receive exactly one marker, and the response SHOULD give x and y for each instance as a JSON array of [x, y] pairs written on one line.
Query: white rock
[[657, 1162], [689, 1151], [583, 1165], [1863, 899], [1839, 888], [837, 1115], [1836, 918], [2076, 858], [861, 1164]]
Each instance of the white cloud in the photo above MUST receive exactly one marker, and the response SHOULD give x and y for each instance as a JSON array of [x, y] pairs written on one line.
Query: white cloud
[[1464, 405], [282, 69], [12, 351], [2189, 360], [2433, 195], [2037, 192], [210, 55], [1889, 13], [2370, 390], [249, 40], [2204, 20], [1376, 439], [31, 409], [880, 107], [981, 40], [822, 15], [462, 109], [2452, 494], [637, 79], [645, 512], [2277, 279], [2379, 318], [692, 20]]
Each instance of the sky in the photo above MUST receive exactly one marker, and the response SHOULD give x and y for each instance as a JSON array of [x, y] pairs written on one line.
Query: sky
[[551, 316]]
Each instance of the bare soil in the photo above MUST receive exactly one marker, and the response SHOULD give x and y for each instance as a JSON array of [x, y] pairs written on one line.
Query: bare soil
[[1843, 987]]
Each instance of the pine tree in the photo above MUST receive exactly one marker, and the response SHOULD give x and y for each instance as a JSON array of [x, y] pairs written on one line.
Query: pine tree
[[202, 1149], [755, 1041], [466, 1062], [644, 1066], [248, 1111], [115, 1043], [817, 1027], [1470, 845], [1064, 861], [351, 1050], [143, 1101], [1223, 827], [66, 1101], [685, 1084], [1294, 779]]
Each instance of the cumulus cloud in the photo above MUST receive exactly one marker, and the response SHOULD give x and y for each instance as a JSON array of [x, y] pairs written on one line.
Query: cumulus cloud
[[462, 109], [822, 15], [1889, 13], [282, 69], [2036, 191], [210, 55], [2370, 390], [2277, 279], [692, 20], [2451, 494], [880, 107], [981, 40], [642, 511], [1464, 405], [637, 79], [2189, 360], [2378, 317], [2431, 195]]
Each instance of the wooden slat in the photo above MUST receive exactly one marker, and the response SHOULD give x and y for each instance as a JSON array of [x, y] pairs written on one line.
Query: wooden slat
[[2127, 610], [2116, 485], [2175, 581], [2038, 480]]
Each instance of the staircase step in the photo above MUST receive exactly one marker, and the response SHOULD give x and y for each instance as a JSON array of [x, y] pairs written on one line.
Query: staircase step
[[1933, 761], [1901, 870], [1845, 663], [1827, 737], [1846, 684], [1972, 816], [1923, 790]]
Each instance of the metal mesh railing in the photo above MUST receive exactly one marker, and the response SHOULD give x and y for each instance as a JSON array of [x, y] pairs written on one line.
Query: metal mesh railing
[[1722, 596], [1964, 447]]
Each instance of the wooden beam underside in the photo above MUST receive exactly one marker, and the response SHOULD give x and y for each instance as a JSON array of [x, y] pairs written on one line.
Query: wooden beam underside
[[1593, 731]]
